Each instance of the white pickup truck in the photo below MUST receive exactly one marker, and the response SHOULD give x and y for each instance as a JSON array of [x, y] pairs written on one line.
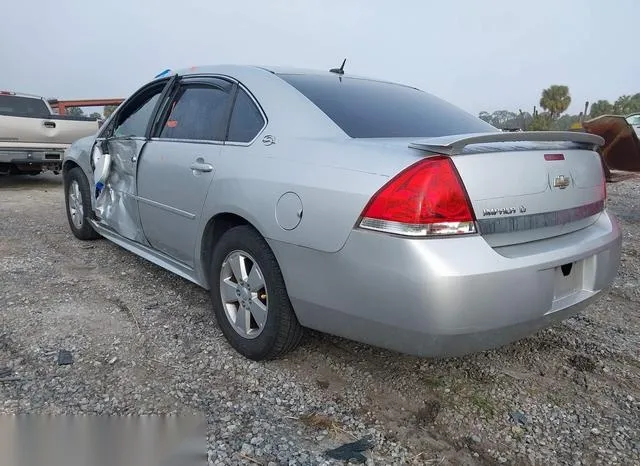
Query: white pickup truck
[[32, 137]]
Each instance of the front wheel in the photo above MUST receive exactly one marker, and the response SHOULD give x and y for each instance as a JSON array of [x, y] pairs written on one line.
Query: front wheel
[[78, 204], [249, 297]]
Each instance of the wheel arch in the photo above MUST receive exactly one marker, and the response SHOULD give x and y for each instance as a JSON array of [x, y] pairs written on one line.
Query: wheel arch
[[68, 165], [215, 227]]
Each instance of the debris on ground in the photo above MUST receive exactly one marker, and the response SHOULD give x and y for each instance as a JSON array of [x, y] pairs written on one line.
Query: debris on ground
[[518, 417], [352, 451], [64, 357]]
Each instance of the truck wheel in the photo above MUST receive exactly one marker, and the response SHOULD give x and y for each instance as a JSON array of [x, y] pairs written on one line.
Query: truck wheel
[[78, 203], [249, 297]]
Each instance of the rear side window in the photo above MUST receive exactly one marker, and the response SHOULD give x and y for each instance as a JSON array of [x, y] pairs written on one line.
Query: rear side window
[[23, 106], [246, 119], [371, 109], [199, 112]]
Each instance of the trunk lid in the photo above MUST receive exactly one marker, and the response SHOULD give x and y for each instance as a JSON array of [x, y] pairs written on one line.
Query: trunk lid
[[527, 186]]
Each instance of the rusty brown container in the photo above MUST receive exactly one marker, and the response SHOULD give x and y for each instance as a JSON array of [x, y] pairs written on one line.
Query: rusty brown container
[[621, 150]]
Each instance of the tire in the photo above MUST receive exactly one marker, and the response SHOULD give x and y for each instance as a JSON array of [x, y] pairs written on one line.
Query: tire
[[281, 331], [78, 204]]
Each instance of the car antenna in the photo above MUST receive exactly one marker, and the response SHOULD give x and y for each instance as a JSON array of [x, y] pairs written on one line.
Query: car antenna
[[339, 70]]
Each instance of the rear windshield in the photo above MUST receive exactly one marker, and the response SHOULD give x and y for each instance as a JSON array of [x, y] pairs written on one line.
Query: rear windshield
[[373, 109], [13, 105]]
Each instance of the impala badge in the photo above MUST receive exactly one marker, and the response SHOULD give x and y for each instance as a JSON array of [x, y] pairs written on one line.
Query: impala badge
[[500, 211], [268, 140], [561, 181], [503, 211]]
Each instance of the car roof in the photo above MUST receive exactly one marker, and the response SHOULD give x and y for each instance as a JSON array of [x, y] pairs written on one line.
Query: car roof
[[244, 70]]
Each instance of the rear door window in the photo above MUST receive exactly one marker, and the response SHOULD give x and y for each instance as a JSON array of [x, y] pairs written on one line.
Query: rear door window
[[246, 119], [198, 112], [372, 109]]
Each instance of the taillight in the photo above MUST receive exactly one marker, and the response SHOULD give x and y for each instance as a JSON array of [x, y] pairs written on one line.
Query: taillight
[[426, 199]]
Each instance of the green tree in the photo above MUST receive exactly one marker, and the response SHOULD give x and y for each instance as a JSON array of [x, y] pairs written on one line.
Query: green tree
[[539, 122], [555, 100], [565, 122], [505, 119], [96, 116], [108, 110], [501, 118], [486, 116], [627, 104], [75, 111], [601, 107]]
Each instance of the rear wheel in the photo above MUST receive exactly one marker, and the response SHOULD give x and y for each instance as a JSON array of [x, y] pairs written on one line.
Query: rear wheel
[[249, 297], [78, 203]]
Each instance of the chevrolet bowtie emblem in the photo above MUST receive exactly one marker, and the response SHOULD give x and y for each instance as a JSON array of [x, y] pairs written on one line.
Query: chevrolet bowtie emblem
[[561, 181]]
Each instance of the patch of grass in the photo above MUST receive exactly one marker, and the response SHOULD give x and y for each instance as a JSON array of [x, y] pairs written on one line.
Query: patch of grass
[[555, 399], [483, 403], [433, 381], [318, 421], [323, 422], [517, 433]]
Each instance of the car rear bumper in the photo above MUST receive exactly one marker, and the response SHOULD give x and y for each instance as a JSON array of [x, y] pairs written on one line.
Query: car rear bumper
[[447, 297]]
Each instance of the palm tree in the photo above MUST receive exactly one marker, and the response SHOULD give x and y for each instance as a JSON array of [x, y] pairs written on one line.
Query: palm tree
[[555, 100]]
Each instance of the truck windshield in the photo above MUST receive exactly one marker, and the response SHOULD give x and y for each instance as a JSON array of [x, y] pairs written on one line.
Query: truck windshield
[[13, 105]]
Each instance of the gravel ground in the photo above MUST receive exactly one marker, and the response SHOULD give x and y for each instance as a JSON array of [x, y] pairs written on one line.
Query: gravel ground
[[144, 341]]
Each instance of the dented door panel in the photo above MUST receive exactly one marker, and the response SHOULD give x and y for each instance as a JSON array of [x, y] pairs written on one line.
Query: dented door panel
[[116, 203]]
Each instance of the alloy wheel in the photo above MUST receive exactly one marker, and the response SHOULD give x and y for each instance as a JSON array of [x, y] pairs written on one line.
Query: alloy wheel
[[244, 294]]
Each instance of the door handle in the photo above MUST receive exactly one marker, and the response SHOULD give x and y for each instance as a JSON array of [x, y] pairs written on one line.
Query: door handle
[[49, 124], [201, 167]]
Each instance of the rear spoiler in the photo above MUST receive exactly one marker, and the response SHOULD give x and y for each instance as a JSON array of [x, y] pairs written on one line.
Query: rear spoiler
[[455, 143]]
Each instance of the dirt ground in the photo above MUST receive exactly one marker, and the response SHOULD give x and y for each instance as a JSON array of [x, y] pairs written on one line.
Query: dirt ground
[[145, 341]]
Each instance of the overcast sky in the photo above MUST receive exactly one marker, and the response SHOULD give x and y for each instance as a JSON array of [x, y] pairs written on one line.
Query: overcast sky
[[480, 55]]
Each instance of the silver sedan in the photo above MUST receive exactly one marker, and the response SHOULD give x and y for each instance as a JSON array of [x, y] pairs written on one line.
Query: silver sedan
[[361, 208]]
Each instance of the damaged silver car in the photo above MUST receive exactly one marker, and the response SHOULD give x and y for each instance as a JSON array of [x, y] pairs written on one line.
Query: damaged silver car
[[357, 207]]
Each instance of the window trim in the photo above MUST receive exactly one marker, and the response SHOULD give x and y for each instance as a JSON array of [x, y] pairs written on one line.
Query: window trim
[[108, 127], [184, 81], [260, 109]]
